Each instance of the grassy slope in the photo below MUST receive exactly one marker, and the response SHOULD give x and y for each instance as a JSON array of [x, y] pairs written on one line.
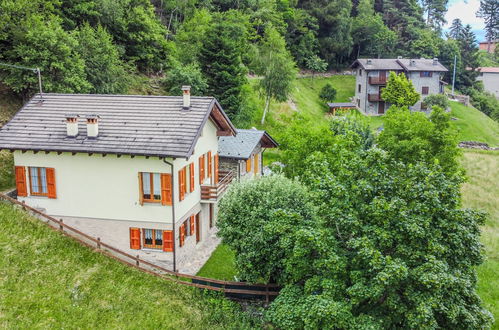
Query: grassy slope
[[49, 281], [473, 125], [220, 265], [481, 192]]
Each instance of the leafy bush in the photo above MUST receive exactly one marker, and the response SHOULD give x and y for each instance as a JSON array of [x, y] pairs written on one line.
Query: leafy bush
[[486, 103], [328, 93], [6, 170], [439, 100], [180, 75], [258, 220]]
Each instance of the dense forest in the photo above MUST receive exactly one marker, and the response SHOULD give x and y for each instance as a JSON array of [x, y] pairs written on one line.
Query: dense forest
[[104, 46]]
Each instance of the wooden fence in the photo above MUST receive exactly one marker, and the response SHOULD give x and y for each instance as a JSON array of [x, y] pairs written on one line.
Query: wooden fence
[[235, 290]]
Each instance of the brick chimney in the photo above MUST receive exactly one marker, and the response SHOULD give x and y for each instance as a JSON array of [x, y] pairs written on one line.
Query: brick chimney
[[92, 126], [435, 61], [369, 62], [186, 91], [72, 125], [412, 63]]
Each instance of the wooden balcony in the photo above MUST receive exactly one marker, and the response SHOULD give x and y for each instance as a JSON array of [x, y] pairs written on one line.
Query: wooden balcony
[[213, 192], [377, 80], [374, 97]]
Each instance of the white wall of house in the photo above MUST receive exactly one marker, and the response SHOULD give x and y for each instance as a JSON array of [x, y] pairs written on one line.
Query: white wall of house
[[433, 84], [108, 187], [490, 82]]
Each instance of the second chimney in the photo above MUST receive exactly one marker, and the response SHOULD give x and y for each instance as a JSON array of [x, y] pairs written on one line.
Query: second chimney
[[435, 61], [92, 126], [72, 125], [186, 91]]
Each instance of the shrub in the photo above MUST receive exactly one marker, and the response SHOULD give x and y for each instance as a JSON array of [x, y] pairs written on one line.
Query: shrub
[[436, 99], [328, 93]]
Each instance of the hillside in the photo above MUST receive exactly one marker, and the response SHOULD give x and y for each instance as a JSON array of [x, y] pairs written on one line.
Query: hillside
[[50, 281], [481, 193]]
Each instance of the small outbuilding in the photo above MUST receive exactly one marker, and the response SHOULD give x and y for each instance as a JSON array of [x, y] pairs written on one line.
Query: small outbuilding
[[243, 153]]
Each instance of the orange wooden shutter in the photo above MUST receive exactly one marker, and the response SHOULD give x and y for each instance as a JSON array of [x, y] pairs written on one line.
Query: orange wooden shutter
[[141, 190], [181, 184], [216, 169], [168, 241], [201, 169], [198, 229], [255, 169], [50, 172], [209, 164], [191, 173], [182, 234], [191, 220], [22, 189], [248, 165], [166, 189], [135, 238]]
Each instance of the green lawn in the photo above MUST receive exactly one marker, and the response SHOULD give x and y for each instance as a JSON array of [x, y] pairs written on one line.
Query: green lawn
[[48, 281], [481, 192], [220, 265], [473, 125]]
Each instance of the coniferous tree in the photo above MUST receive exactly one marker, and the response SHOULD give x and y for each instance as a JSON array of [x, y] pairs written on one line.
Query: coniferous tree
[[220, 60], [489, 11], [469, 56], [435, 13], [456, 28]]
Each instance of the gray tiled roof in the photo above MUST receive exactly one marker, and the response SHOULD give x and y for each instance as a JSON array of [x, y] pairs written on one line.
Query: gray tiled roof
[[240, 146], [378, 64], [128, 124], [402, 64], [423, 64]]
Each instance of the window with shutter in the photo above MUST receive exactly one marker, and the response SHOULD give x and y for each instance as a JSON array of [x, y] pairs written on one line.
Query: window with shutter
[[135, 238], [201, 169], [168, 244], [248, 165], [191, 223], [22, 189], [191, 179], [182, 235], [166, 189], [216, 168], [181, 183], [198, 228], [209, 164], [150, 187], [42, 181], [152, 238], [425, 90]]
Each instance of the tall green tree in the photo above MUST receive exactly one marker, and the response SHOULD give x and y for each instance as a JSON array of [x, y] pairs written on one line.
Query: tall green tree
[[466, 77], [274, 62], [276, 206], [489, 11], [435, 13], [405, 17], [301, 36], [333, 16], [40, 42], [371, 36], [399, 91], [221, 64], [392, 249], [456, 28], [103, 67], [190, 36], [413, 137]]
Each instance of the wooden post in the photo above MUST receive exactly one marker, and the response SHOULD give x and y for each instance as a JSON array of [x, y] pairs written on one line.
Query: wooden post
[[98, 242], [267, 298], [61, 227], [137, 261]]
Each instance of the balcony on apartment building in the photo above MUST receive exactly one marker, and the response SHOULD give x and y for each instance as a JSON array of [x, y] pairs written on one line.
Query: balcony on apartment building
[[374, 97], [213, 192], [377, 80]]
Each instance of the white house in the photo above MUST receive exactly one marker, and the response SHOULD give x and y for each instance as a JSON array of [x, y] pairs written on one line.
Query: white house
[[489, 76], [140, 172]]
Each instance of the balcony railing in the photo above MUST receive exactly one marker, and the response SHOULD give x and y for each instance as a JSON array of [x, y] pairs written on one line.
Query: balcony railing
[[213, 192], [377, 80], [374, 97]]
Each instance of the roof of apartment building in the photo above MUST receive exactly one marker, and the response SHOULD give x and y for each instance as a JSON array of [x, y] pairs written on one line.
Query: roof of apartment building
[[488, 69], [127, 124], [399, 64], [242, 145]]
